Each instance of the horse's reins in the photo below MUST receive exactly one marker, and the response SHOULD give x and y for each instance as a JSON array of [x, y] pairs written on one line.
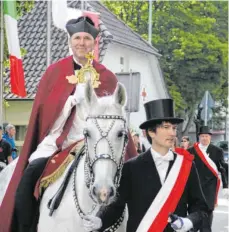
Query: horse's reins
[[54, 202]]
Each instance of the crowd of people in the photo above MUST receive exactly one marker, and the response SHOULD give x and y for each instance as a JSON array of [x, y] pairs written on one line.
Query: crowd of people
[[8, 150], [185, 178]]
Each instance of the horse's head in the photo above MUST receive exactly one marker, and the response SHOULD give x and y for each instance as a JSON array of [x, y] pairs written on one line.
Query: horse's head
[[105, 139]]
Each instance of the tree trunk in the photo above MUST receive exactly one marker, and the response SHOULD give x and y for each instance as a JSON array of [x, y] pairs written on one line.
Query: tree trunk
[[190, 120]]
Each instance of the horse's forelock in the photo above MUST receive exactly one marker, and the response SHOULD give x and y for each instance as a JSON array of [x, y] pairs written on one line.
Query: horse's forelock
[[106, 106]]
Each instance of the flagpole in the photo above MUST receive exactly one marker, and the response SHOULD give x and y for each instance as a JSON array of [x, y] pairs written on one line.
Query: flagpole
[[82, 5], [49, 2], [1, 65], [150, 23]]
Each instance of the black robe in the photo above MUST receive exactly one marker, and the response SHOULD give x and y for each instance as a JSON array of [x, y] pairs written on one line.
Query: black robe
[[140, 184]]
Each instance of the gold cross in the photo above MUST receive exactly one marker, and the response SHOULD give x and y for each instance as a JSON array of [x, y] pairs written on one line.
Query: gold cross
[[79, 76], [90, 56]]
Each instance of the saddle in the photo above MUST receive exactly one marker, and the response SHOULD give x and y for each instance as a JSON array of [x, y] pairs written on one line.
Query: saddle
[[55, 167]]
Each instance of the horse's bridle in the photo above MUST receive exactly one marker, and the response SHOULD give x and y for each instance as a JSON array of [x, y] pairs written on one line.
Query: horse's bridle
[[89, 175], [104, 135]]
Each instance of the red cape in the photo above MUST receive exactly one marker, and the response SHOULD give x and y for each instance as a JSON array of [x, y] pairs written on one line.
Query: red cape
[[51, 96]]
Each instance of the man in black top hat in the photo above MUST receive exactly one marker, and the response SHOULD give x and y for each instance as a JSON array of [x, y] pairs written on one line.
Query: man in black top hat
[[5, 151], [209, 162], [159, 185]]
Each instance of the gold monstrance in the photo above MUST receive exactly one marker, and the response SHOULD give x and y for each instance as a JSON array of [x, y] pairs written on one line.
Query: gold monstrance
[[80, 75]]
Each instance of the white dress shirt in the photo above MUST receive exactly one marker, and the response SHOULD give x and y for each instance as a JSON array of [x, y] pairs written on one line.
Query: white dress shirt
[[162, 163], [203, 149]]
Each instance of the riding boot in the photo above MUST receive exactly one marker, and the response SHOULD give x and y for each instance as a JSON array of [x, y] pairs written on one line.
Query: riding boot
[[25, 202]]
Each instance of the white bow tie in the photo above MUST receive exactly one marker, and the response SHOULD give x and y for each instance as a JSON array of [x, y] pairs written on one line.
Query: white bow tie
[[168, 157]]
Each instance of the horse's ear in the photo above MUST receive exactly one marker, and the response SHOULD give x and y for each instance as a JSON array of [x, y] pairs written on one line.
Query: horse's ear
[[90, 95], [120, 94]]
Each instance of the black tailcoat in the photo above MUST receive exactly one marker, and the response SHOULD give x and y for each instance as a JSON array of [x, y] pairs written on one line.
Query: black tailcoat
[[207, 179], [140, 184]]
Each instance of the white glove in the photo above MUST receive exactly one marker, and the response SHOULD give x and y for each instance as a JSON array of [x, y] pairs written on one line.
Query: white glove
[[69, 104], [225, 192], [91, 223], [64, 114], [182, 224]]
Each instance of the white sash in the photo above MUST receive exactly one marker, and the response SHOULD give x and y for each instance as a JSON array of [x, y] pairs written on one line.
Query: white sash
[[162, 196], [209, 160]]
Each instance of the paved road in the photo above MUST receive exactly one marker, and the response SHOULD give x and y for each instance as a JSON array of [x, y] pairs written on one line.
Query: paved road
[[220, 220]]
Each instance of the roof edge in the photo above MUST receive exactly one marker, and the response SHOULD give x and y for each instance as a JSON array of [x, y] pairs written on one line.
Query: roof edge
[[20, 99], [149, 45], [139, 49]]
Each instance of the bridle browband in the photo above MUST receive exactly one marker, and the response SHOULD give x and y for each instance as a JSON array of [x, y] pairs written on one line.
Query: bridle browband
[[104, 135]]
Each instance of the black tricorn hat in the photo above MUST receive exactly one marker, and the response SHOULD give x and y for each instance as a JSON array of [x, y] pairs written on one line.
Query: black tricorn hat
[[158, 111], [82, 24], [204, 130]]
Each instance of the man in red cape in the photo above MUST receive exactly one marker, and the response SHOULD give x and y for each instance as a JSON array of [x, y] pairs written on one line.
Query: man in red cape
[[52, 94]]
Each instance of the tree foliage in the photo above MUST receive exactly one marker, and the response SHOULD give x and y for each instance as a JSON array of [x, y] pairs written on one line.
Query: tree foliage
[[192, 37]]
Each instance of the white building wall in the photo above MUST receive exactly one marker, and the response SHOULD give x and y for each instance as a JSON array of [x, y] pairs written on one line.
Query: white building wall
[[149, 68]]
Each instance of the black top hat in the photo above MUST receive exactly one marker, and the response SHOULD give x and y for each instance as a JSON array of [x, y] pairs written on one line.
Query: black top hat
[[158, 111], [82, 24], [204, 130]]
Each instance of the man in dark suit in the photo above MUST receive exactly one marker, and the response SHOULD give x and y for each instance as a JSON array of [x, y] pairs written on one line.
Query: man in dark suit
[[157, 183], [209, 161]]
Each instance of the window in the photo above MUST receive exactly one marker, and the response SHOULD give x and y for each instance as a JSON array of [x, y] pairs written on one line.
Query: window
[[20, 133], [20, 136], [122, 64], [121, 60]]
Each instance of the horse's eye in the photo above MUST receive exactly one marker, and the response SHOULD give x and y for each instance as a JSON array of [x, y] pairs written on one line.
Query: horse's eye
[[121, 133], [86, 133]]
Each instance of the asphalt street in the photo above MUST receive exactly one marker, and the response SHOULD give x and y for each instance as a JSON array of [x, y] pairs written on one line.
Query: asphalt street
[[220, 220]]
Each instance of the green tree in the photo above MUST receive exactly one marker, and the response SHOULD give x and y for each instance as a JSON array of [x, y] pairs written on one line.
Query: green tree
[[192, 38]]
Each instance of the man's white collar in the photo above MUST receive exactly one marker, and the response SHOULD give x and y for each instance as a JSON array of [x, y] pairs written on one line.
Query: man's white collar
[[77, 62], [204, 147], [157, 156]]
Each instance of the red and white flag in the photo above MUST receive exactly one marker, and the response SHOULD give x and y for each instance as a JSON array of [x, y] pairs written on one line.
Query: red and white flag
[[16, 67]]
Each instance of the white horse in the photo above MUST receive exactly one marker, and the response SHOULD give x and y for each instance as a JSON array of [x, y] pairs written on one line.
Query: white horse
[[96, 178], [5, 176]]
